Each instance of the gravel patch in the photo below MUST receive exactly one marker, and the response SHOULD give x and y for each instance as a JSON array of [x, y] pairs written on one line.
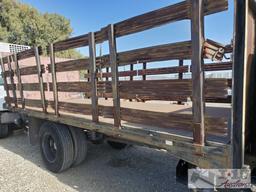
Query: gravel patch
[[105, 169]]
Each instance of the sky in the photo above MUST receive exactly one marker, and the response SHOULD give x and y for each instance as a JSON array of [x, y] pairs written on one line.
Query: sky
[[91, 15]]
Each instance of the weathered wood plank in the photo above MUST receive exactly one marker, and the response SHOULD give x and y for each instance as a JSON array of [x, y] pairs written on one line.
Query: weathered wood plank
[[79, 86], [172, 13], [84, 109], [154, 71], [169, 14], [218, 66], [54, 80], [20, 87], [32, 70], [214, 126], [9, 58], [29, 87], [71, 43], [33, 86], [27, 53], [4, 77], [71, 65], [114, 71], [165, 89], [40, 79], [180, 50], [171, 51], [94, 97], [197, 36]]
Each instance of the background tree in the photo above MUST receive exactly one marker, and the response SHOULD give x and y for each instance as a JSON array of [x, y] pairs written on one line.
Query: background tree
[[23, 24]]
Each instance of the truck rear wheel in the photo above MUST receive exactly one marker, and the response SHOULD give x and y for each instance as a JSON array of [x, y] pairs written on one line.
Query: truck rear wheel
[[117, 145], [56, 146], [4, 131], [80, 145]]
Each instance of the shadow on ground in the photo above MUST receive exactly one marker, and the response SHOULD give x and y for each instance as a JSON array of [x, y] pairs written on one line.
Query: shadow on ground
[[105, 169]]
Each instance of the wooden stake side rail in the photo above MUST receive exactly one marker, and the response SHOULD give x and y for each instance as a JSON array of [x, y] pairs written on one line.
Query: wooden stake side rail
[[172, 13], [214, 125], [144, 89], [221, 66]]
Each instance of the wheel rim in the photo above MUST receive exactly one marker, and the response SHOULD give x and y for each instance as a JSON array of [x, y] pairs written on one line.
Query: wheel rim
[[49, 148]]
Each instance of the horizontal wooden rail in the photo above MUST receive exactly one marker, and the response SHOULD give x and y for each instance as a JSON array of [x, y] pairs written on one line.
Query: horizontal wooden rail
[[155, 71], [180, 50], [168, 70], [218, 66], [24, 54], [171, 51], [28, 87], [79, 86], [178, 90], [71, 65], [215, 126], [71, 43], [169, 14], [31, 70]]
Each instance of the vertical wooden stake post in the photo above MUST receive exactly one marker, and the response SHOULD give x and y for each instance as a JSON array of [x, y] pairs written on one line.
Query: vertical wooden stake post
[[197, 35], [114, 71], [54, 80], [93, 71], [5, 80], [20, 87], [12, 81], [40, 79]]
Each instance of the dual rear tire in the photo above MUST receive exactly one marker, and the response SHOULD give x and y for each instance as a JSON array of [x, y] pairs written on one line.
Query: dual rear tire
[[62, 147]]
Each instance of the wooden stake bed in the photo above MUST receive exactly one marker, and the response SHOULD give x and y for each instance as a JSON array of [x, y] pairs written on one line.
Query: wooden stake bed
[[131, 104]]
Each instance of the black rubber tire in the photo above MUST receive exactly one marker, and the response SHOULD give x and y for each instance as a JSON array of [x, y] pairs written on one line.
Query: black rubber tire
[[80, 145], [56, 145], [4, 131], [117, 145]]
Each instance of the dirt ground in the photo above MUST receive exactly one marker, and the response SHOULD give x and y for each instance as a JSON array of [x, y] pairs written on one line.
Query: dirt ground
[[105, 169]]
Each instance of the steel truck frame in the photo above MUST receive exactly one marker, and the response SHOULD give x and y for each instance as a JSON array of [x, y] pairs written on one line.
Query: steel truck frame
[[121, 110]]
